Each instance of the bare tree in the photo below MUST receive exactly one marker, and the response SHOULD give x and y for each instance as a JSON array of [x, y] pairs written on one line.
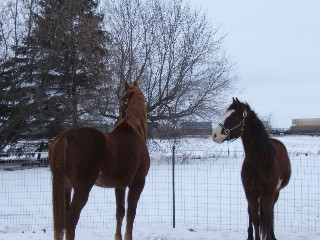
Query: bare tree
[[8, 26], [16, 22], [57, 64], [174, 53], [268, 121]]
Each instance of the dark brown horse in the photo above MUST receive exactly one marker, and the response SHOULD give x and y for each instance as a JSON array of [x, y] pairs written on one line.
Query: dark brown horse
[[83, 157], [266, 167]]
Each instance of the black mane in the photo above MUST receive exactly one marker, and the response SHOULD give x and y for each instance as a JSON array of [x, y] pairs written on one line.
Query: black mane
[[259, 133]]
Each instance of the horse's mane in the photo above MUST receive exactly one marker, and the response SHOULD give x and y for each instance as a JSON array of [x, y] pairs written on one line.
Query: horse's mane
[[136, 114], [260, 133]]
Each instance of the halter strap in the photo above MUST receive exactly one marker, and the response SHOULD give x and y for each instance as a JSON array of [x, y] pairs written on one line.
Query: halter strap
[[241, 124]]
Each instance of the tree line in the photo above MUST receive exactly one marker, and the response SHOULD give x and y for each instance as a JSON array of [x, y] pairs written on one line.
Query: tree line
[[63, 63]]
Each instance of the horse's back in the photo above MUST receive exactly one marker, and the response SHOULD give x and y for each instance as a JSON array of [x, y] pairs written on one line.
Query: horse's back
[[282, 160], [127, 142], [115, 159]]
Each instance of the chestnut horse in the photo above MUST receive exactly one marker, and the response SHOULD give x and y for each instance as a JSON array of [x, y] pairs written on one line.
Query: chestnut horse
[[266, 167], [83, 157]]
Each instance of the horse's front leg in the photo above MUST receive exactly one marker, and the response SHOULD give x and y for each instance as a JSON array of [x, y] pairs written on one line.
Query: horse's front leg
[[120, 198], [133, 198], [267, 220], [250, 228], [253, 211]]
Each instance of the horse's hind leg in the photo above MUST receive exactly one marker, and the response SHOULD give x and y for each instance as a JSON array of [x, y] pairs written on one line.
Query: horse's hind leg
[[133, 198], [79, 200], [67, 198], [120, 198]]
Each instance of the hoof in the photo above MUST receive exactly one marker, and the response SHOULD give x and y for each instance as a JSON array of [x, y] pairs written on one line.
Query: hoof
[[127, 237], [117, 237]]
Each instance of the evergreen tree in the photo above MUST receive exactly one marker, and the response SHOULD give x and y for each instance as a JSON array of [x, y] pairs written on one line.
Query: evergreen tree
[[70, 48], [53, 78], [16, 96]]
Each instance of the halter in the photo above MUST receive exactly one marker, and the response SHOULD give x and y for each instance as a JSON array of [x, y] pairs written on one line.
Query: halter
[[241, 124]]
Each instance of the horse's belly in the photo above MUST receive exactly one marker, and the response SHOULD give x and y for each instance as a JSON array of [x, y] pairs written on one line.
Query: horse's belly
[[107, 181]]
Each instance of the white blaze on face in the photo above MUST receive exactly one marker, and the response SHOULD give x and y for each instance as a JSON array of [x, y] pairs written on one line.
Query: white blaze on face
[[217, 135]]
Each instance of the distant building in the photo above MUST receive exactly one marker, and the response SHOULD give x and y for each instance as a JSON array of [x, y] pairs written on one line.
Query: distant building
[[196, 128]]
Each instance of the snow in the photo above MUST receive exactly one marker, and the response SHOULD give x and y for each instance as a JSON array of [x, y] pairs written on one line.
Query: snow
[[210, 203], [158, 234]]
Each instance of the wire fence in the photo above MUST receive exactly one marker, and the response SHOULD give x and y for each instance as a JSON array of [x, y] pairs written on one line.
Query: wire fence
[[208, 195]]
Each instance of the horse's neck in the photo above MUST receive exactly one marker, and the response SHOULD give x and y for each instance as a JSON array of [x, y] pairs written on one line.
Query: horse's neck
[[141, 129], [123, 124], [137, 119], [249, 146], [120, 124], [255, 141]]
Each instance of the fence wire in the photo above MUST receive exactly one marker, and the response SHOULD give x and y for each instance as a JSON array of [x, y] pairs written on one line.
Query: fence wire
[[208, 195]]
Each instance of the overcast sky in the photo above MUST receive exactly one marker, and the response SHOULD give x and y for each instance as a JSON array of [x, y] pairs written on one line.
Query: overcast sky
[[276, 45]]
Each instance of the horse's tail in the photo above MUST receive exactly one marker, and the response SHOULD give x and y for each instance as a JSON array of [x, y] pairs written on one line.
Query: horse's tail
[[57, 157]]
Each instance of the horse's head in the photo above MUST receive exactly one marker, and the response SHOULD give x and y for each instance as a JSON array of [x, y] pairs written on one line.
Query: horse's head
[[129, 92], [231, 125], [133, 109], [125, 100]]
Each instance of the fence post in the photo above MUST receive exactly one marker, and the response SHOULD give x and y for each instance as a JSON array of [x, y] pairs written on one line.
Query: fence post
[[173, 189], [40, 150]]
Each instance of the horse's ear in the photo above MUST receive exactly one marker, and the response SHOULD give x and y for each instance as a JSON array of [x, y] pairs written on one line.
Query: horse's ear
[[135, 83], [237, 100], [126, 86], [233, 100]]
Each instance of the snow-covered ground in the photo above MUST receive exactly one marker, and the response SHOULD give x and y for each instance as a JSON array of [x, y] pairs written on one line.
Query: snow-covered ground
[[210, 203], [158, 233]]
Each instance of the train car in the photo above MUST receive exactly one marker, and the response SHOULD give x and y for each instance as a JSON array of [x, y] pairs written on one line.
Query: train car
[[306, 126], [306, 122]]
